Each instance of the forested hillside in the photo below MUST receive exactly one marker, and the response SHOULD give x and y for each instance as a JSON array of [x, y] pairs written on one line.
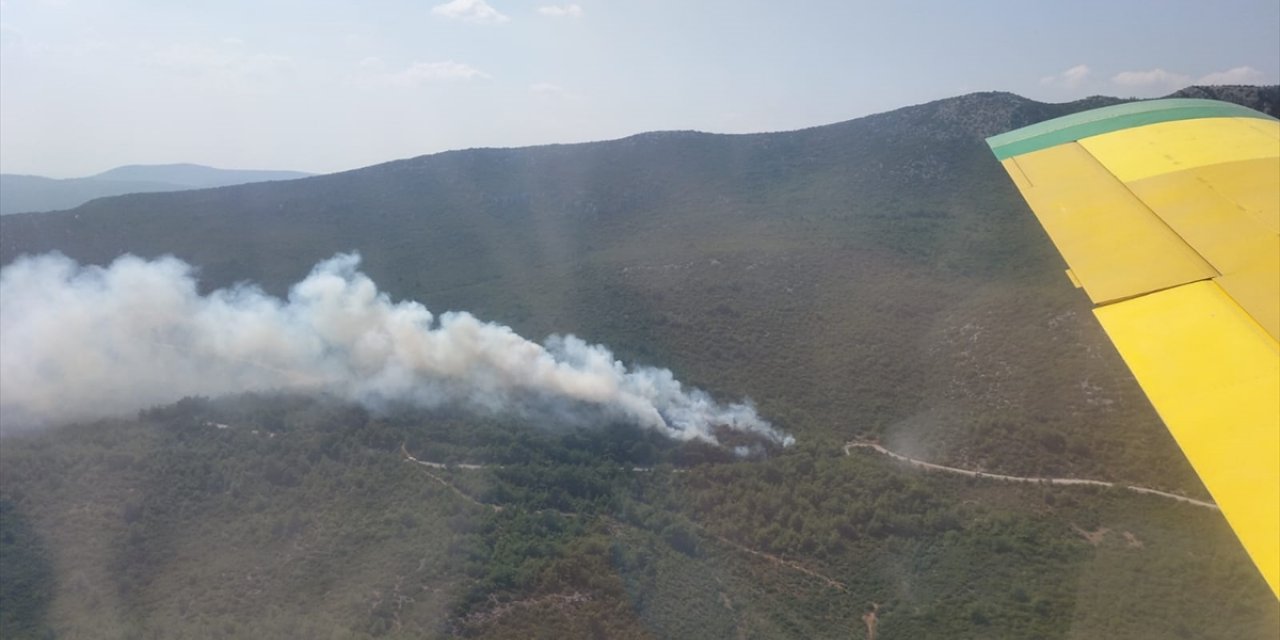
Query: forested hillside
[[877, 277], [281, 517], [872, 280]]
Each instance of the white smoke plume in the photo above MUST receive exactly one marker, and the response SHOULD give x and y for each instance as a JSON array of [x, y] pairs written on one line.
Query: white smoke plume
[[84, 341]]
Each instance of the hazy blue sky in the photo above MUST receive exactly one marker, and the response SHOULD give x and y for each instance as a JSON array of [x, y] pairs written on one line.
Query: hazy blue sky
[[324, 85]]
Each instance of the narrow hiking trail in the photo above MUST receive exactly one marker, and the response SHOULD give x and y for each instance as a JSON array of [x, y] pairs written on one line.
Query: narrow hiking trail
[[856, 444], [776, 560], [426, 466]]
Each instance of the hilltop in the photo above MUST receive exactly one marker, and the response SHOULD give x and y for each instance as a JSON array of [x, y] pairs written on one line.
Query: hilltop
[[878, 276]]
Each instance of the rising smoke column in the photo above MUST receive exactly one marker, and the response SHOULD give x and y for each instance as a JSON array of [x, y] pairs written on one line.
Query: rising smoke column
[[83, 341]]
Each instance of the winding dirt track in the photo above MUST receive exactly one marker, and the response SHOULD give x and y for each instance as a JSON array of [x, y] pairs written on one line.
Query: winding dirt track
[[849, 446]]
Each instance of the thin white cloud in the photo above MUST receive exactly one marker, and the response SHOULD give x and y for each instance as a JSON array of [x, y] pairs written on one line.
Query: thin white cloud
[[1069, 78], [1151, 78], [477, 11], [420, 73], [549, 91], [1237, 75], [9, 36], [229, 62], [546, 89], [561, 10]]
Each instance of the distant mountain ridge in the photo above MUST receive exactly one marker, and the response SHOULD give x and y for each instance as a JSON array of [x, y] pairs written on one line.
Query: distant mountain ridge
[[194, 175], [25, 193]]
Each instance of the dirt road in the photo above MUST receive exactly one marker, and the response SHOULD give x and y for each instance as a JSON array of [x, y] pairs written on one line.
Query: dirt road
[[849, 446], [858, 444]]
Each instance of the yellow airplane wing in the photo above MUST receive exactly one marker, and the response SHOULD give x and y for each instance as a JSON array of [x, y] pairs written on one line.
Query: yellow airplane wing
[[1168, 213]]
